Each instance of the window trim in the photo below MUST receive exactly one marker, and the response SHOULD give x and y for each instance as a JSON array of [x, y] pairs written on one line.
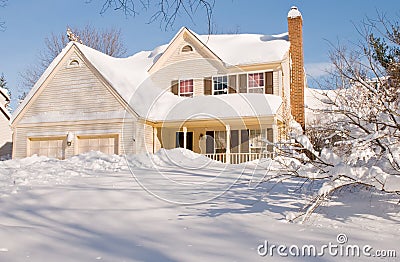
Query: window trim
[[258, 87], [247, 73], [185, 93], [227, 86], [72, 63], [187, 51]]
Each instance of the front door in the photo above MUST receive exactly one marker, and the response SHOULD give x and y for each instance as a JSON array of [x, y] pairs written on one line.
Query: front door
[[180, 138]]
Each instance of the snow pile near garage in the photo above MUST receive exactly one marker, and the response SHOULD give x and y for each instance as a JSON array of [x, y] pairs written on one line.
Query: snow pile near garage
[[43, 169], [177, 157]]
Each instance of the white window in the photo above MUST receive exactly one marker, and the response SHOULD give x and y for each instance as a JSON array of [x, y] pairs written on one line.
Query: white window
[[220, 85], [256, 83], [186, 88]]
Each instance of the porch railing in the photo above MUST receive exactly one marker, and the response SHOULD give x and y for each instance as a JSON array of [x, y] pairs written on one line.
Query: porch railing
[[237, 158]]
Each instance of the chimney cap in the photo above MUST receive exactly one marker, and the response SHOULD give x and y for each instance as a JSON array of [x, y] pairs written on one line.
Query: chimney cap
[[294, 12]]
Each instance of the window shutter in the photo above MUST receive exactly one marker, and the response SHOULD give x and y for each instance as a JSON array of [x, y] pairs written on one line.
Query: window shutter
[[269, 83], [244, 147], [207, 86], [232, 84], [243, 83], [174, 87], [270, 138]]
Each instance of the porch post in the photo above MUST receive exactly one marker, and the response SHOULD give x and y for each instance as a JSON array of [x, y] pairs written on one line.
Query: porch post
[[275, 132], [185, 137], [228, 144], [154, 139]]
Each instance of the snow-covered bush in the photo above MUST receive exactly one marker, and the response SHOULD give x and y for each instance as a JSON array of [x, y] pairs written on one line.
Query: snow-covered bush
[[357, 136]]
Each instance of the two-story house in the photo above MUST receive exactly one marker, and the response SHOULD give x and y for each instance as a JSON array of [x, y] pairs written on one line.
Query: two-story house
[[5, 129], [218, 95]]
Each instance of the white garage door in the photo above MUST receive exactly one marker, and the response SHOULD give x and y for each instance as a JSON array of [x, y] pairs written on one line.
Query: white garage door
[[50, 147], [107, 144]]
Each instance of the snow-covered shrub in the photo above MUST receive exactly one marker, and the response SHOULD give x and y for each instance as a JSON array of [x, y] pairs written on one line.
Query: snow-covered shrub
[[356, 139]]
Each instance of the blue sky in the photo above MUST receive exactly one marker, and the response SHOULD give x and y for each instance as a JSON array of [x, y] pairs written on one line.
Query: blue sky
[[29, 22]]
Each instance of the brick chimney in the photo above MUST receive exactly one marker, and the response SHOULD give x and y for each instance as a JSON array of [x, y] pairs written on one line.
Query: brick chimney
[[297, 78]]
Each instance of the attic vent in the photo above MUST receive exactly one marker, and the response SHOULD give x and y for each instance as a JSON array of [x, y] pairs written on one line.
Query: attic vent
[[73, 63], [187, 48]]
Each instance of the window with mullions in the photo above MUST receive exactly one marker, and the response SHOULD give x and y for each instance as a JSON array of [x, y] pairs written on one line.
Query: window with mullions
[[220, 85], [186, 88], [256, 83]]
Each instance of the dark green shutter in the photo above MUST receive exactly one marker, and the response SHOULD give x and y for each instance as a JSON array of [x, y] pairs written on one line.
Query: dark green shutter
[[270, 138], [243, 83], [232, 84]]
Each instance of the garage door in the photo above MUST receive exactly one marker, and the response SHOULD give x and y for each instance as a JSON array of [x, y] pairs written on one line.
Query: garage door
[[50, 147], [107, 144]]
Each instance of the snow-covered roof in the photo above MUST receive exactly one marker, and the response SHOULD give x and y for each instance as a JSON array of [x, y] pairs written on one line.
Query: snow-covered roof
[[316, 101], [130, 77], [244, 49], [219, 107], [153, 103]]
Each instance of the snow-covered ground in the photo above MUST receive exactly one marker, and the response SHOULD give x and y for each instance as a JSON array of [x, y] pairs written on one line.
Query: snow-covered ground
[[176, 206]]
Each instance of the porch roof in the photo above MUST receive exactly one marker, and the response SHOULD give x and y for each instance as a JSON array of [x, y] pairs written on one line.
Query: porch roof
[[230, 106]]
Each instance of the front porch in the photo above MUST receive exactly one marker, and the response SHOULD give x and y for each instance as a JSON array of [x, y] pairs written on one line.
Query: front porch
[[234, 142]]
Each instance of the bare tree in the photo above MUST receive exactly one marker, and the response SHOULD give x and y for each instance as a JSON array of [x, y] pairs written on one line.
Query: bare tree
[[165, 11], [108, 41], [358, 138]]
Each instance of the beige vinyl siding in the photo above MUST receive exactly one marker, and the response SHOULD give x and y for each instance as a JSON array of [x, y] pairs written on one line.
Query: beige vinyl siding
[[187, 65], [128, 138], [5, 136], [148, 138], [276, 82], [198, 87], [286, 82], [5, 133], [144, 138], [178, 56], [73, 90]]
